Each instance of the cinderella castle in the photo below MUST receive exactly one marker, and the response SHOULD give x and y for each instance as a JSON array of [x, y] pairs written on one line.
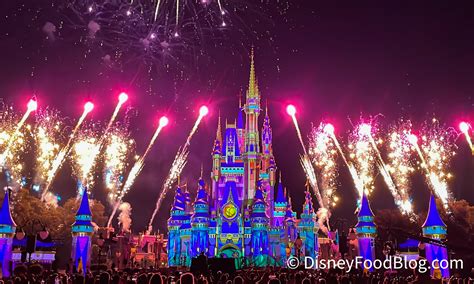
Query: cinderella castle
[[244, 213]]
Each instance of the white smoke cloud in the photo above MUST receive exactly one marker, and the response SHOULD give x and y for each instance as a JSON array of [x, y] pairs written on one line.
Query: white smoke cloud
[[124, 217], [49, 29], [93, 27], [323, 219]]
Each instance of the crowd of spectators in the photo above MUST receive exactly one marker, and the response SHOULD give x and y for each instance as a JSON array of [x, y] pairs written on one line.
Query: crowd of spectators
[[36, 274]]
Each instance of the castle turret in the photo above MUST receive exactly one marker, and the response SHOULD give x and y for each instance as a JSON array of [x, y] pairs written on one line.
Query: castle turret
[[200, 221], [259, 221], [308, 227], [252, 144], [216, 153], [7, 231], [435, 228], [366, 231], [280, 206], [241, 126], [175, 221], [82, 230]]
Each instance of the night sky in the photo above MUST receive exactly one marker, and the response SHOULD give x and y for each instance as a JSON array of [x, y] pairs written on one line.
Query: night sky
[[335, 62]]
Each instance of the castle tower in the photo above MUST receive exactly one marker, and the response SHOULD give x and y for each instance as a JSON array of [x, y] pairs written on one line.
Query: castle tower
[[277, 229], [82, 230], [240, 126], [280, 207], [175, 221], [259, 221], [308, 227], [252, 144], [366, 231], [7, 231], [200, 221], [267, 165], [434, 228], [216, 157]]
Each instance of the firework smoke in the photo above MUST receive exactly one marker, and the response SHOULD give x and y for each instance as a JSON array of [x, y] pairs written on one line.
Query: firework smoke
[[124, 217]]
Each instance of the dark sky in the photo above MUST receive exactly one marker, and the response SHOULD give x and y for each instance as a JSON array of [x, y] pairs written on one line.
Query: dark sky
[[334, 61]]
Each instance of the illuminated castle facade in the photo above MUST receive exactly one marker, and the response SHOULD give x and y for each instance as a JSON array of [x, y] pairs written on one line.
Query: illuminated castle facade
[[244, 213]]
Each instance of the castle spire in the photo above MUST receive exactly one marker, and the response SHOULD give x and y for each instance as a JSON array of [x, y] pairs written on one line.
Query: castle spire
[[219, 131], [252, 80], [433, 224], [83, 222]]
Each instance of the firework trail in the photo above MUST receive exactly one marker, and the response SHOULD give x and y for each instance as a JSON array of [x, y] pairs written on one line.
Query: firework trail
[[323, 153], [203, 111], [83, 158], [48, 135], [13, 160], [435, 150], [136, 169], [176, 168], [464, 127], [329, 129], [58, 161], [178, 164], [291, 110], [399, 164], [118, 148], [31, 106], [304, 159], [362, 155]]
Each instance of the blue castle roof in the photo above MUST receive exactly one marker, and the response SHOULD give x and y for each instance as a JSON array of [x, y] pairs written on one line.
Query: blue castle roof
[[433, 218], [179, 201], [84, 208], [434, 226], [83, 222], [258, 196], [7, 225], [365, 225], [280, 198], [365, 207], [201, 197]]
